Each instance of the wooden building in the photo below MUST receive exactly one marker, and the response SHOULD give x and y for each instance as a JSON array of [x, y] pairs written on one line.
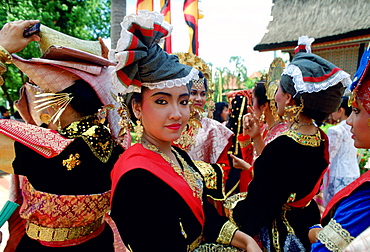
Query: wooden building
[[341, 29]]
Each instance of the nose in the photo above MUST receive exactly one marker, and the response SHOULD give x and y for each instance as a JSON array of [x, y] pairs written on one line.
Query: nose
[[176, 112]]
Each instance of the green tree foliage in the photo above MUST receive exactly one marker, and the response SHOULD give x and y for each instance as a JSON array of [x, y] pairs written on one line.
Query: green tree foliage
[[84, 19]]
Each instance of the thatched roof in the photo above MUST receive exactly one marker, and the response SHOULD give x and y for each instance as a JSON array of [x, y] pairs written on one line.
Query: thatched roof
[[324, 20]]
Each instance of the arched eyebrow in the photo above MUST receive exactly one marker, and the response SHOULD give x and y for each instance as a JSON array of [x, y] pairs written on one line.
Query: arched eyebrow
[[168, 94]]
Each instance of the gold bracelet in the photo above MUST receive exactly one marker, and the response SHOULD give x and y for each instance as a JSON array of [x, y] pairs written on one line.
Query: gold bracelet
[[5, 56]]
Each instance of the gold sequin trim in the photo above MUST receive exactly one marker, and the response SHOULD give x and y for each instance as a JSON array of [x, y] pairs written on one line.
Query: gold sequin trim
[[307, 140], [195, 243], [227, 233], [209, 174], [334, 236], [214, 247]]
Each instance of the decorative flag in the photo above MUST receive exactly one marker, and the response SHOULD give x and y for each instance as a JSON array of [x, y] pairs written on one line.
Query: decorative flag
[[166, 12], [144, 5], [191, 14]]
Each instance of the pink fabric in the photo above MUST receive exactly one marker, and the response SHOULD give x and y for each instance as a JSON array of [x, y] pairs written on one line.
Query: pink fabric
[[211, 141], [47, 143], [51, 210]]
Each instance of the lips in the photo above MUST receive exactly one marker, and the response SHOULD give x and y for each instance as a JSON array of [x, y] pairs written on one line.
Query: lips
[[198, 104], [175, 126]]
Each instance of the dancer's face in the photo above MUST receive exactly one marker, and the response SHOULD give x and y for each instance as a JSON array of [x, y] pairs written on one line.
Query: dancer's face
[[359, 122], [163, 113]]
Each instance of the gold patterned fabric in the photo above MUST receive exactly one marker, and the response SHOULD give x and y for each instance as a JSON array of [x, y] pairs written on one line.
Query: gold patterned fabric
[[307, 140], [96, 135], [213, 176], [334, 236], [37, 232], [231, 202], [62, 211], [213, 247], [227, 233]]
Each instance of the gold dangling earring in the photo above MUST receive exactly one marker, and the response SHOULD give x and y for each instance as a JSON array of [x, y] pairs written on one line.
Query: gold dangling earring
[[262, 117], [138, 129]]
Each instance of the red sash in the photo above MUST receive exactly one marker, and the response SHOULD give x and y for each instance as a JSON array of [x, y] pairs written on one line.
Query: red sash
[[137, 157], [346, 191]]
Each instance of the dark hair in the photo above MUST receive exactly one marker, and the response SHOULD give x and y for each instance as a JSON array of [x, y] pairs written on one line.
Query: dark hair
[[219, 107], [85, 100], [3, 109], [344, 104], [317, 105], [259, 92]]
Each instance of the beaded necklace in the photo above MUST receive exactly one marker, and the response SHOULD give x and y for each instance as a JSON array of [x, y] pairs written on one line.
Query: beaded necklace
[[191, 177]]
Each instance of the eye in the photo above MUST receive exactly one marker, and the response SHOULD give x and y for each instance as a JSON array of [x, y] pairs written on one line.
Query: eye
[[161, 101], [193, 93], [184, 102], [203, 94]]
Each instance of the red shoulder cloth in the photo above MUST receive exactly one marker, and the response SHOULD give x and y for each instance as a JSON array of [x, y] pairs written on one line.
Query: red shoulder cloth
[[46, 142], [346, 191], [137, 157]]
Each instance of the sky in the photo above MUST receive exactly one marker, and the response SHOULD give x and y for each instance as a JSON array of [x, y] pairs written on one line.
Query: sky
[[226, 30]]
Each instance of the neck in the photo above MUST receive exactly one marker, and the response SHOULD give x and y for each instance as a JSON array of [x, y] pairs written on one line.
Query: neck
[[162, 146], [69, 116], [270, 121], [305, 125]]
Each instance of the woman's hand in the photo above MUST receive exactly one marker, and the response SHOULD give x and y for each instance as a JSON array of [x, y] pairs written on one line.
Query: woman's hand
[[240, 163], [251, 124], [11, 35]]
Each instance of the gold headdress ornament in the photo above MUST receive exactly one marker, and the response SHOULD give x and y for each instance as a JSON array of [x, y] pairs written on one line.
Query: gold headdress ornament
[[272, 84], [199, 64]]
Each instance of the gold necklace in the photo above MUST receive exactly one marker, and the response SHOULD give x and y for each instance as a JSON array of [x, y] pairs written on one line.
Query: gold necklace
[[191, 177], [307, 140]]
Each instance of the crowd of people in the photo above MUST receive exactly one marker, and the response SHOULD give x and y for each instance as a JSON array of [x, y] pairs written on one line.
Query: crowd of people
[[243, 181]]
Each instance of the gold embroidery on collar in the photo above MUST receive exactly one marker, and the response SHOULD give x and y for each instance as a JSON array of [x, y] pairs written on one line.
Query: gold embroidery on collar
[[96, 135], [72, 161], [307, 140], [334, 236]]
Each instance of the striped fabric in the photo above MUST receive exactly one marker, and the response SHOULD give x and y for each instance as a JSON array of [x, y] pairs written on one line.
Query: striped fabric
[[166, 12], [191, 18], [144, 5], [141, 61]]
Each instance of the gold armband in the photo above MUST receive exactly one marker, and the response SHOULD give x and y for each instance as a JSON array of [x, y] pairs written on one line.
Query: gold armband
[[227, 233], [5, 56], [244, 144]]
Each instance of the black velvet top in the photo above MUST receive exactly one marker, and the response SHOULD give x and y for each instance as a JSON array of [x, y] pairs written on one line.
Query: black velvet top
[[90, 176], [148, 213], [284, 167]]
